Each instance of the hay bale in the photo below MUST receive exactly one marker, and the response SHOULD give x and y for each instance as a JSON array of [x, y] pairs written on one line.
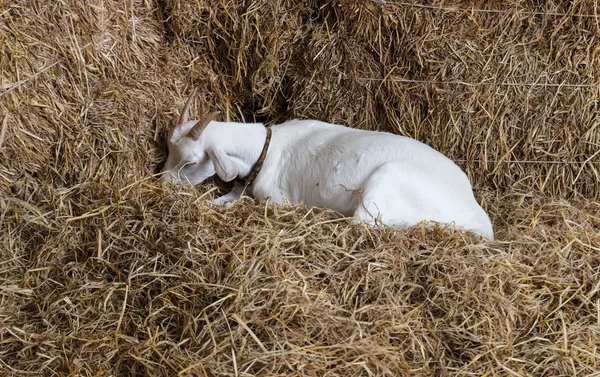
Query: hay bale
[[311, 60], [103, 271]]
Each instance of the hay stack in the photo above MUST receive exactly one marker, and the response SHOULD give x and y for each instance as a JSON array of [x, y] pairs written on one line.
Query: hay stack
[[326, 60], [103, 271]]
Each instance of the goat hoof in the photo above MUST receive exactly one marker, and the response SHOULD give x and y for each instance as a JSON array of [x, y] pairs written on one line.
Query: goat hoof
[[218, 203]]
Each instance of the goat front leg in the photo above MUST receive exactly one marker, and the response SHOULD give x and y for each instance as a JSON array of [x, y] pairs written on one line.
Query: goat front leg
[[230, 197]]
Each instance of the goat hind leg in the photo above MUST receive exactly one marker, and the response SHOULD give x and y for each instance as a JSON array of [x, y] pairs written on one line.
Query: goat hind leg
[[382, 202]]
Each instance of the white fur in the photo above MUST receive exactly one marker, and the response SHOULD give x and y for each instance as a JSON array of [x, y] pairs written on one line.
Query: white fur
[[372, 175]]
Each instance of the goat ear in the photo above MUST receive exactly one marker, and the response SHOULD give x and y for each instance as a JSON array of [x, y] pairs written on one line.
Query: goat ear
[[224, 165]]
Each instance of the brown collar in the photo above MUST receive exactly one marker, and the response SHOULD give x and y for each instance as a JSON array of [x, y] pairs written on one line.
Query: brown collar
[[256, 169]]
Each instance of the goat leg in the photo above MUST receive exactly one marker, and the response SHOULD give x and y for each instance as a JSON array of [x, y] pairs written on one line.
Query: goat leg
[[233, 195]]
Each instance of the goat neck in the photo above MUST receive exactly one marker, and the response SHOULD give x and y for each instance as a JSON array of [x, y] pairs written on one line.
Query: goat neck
[[243, 142]]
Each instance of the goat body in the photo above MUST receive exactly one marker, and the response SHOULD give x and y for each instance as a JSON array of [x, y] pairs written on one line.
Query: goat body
[[375, 176]]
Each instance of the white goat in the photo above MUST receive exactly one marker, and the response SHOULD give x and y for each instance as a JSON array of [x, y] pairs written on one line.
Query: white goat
[[375, 176]]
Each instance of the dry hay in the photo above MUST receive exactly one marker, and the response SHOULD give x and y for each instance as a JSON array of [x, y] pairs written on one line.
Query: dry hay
[[103, 271]]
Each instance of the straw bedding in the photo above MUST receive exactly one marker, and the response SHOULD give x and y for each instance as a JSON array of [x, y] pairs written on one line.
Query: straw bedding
[[104, 271]]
